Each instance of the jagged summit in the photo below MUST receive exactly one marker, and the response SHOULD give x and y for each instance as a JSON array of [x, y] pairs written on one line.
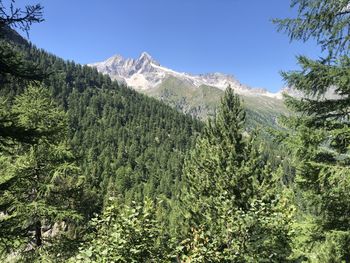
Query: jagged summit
[[144, 73], [145, 56], [116, 57]]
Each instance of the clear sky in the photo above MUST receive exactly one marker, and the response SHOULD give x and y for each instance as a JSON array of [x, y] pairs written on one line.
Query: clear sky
[[196, 36]]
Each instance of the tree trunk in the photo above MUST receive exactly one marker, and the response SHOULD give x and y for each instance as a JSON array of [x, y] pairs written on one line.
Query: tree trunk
[[38, 237]]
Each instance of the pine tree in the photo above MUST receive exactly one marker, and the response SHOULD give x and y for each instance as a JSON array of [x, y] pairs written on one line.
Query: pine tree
[[319, 136], [22, 18], [39, 182], [14, 68], [233, 202]]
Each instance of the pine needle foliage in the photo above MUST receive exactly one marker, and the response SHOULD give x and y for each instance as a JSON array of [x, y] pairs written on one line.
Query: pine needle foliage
[[235, 209]]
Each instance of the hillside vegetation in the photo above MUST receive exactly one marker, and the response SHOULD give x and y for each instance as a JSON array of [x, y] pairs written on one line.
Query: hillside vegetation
[[202, 102], [93, 171]]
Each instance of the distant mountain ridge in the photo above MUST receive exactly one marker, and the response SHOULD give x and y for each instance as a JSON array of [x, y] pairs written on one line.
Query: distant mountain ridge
[[196, 95], [145, 73]]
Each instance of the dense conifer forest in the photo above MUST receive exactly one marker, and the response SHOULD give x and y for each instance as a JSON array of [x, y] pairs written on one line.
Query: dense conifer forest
[[92, 171]]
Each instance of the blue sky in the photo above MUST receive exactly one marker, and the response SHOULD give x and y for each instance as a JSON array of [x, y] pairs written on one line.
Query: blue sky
[[195, 36]]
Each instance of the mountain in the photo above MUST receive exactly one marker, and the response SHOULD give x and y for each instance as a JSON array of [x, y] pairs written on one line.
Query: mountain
[[129, 147], [197, 95], [145, 73], [127, 143]]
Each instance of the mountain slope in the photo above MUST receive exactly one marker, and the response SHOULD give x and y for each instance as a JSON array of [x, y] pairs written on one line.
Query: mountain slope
[[128, 145], [203, 101], [197, 95]]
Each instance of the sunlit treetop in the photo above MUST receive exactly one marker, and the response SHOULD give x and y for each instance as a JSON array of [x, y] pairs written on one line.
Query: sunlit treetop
[[326, 21]]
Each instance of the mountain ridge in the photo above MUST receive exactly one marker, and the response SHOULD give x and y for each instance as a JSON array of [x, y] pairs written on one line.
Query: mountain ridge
[[196, 95], [145, 73]]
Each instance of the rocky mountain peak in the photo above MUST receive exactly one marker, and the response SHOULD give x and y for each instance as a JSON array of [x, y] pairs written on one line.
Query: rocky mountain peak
[[145, 56], [146, 59], [145, 73], [116, 59]]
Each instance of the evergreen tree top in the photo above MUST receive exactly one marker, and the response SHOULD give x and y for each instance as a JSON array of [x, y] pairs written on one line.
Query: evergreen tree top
[[326, 21]]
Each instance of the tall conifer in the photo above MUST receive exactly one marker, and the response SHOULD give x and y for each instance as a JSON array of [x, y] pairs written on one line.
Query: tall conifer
[[319, 136], [40, 183], [233, 201]]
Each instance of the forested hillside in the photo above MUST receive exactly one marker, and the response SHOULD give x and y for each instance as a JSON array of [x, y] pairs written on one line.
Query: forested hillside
[[124, 141], [127, 145], [202, 102], [92, 171]]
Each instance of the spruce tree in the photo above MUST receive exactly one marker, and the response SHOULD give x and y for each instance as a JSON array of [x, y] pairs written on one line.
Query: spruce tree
[[319, 136], [39, 182], [16, 17], [13, 68], [233, 202]]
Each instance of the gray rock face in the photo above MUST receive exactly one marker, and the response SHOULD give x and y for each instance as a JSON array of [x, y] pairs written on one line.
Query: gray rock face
[[145, 73]]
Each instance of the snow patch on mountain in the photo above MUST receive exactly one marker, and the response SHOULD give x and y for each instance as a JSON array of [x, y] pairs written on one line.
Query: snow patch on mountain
[[145, 73]]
